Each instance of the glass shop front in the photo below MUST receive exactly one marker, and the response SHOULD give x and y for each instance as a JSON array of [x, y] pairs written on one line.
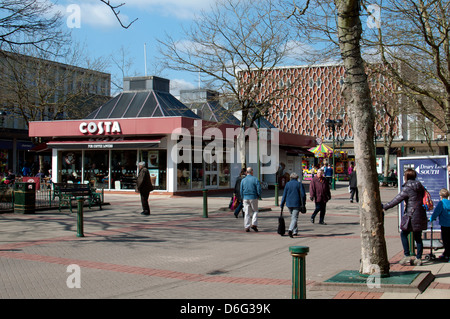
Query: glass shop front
[[112, 169]]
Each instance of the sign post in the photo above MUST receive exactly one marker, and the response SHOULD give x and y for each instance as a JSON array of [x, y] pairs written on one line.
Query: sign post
[[432, 173]]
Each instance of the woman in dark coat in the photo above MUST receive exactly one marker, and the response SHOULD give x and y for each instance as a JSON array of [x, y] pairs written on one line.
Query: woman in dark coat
[[237, 192], [412, 193]]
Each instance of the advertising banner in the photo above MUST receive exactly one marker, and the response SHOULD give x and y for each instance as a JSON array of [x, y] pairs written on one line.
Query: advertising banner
[[431, 172]]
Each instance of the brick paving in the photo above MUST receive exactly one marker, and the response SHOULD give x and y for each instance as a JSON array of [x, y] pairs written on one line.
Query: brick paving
[[176, 253]]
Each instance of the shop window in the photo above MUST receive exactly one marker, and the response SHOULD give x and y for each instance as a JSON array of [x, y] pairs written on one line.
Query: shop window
[[123, 169], [197, 171], [224, 175], [183, 176], [156, 162], [70, 167], [96, 168]]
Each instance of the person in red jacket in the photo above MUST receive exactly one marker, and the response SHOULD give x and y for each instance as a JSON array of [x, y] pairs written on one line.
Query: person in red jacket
[[319, 192]]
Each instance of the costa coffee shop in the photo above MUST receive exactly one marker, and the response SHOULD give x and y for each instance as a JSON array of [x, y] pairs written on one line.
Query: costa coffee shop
[[137, 125]]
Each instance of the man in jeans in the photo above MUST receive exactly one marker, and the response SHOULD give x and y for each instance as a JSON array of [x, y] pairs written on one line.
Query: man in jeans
[[250, 192], [319, 192]]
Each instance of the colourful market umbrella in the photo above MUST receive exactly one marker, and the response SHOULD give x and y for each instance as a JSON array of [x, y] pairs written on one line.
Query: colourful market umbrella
[[321, 150]]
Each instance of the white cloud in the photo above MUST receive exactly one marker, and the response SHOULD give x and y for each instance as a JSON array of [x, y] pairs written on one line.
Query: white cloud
[[176, 85], [182, 9]]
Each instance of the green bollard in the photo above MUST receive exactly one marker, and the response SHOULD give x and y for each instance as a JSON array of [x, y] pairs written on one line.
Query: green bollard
[[412, 251], [205, 203], [298, 254], [80, 230], [276, 194]]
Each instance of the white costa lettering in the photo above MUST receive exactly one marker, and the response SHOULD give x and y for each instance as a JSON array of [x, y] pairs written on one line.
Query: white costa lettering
[[100, 128]]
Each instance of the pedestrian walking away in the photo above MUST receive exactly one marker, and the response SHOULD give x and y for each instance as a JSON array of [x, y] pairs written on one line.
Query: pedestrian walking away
[[442, 211], [294, 196], [144, 187], [237, 193], [414, 216], [250, 191], [319, 192], [353, 184]]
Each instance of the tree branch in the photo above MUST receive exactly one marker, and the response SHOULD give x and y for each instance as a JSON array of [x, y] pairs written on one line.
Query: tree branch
[[117, 12]]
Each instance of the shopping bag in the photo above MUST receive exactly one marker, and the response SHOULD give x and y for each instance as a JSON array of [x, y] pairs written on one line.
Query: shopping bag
[[235, 203], [281, 224]]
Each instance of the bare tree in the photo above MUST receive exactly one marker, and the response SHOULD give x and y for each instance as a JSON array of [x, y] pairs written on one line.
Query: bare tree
[[357, 94], [234, 47], [28, 22], [339, 23], [414, 45]]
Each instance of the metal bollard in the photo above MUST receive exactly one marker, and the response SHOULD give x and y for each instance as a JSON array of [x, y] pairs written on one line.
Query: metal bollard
[[80, 228], [298, 254], [205, 203], [276, 194]]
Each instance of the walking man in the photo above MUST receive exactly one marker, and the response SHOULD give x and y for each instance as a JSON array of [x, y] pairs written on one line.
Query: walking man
[[250, 192], [319, 192], [353, 184], [144, 187], [294, 196]]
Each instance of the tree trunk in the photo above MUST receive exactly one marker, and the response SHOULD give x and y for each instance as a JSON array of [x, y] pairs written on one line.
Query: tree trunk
[[356, 92]]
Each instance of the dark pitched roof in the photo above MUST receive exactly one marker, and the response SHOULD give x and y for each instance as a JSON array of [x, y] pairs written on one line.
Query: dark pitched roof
[[142, 104]]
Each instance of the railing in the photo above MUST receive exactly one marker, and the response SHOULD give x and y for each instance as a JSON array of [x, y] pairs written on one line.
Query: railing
[[6, 198], [44, 198]]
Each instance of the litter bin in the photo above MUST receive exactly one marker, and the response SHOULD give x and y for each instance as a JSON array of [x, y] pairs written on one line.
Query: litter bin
[[25, 198]]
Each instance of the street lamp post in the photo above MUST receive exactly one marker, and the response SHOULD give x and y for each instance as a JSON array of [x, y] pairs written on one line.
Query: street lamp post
[[332, 124]]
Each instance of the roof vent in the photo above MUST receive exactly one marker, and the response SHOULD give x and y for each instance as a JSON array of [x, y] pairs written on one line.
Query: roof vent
[[146, 83]]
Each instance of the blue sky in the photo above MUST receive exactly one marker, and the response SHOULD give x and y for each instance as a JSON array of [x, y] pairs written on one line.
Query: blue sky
[[103, 36]]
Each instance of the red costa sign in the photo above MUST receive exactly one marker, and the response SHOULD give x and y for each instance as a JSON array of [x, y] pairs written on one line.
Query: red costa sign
[[98, 128]]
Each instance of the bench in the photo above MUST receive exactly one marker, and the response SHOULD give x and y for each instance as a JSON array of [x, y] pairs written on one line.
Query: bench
[[66, 193]]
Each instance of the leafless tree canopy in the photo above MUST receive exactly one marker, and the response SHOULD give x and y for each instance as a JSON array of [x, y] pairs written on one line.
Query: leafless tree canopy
[[28, 22], [414, 45], [232, 47]]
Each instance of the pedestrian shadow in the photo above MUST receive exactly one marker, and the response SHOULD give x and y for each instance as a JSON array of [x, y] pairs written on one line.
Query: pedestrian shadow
[[353, 223], [329, 235]]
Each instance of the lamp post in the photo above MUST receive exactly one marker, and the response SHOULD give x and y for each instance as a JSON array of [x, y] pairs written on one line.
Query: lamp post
[[378, 135], [332, 124]]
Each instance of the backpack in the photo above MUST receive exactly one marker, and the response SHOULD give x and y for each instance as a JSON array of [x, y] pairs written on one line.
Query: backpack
[[427, 201]]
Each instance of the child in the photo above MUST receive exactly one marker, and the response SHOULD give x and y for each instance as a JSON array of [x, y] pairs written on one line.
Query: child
[[442, 211]]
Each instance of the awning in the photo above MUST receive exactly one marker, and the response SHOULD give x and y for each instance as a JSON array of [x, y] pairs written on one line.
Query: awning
[[99, 144]]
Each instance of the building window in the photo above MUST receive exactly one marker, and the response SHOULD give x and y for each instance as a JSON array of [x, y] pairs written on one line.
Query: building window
[[156, 162], [69, 170], [123, 169], [96, 168]]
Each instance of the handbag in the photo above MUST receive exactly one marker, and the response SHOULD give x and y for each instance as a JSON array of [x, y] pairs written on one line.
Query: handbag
[[302, 204], [405, 223], [281, 224]]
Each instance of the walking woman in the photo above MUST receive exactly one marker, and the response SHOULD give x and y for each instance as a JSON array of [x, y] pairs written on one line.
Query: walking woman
[[412, 193], [294, 196]]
